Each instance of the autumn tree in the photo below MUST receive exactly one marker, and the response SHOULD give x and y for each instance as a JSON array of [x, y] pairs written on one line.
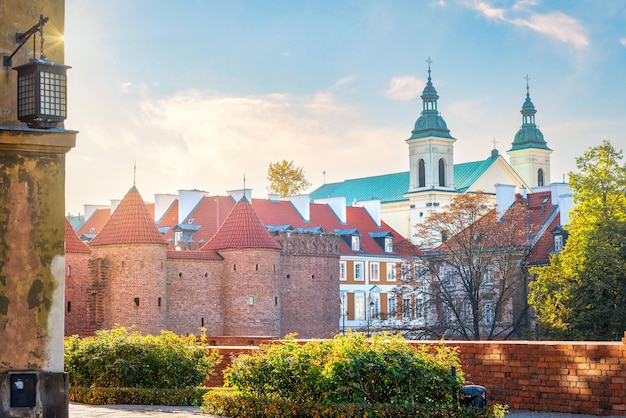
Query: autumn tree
[[470, 272], [581, 295], [286, 179]]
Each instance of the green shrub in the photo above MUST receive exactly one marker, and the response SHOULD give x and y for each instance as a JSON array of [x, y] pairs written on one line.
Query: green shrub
[[137, 396], [118, 358], [350, 369], [236, 404]]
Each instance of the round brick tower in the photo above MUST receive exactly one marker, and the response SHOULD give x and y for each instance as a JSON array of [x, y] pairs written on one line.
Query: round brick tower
[[128, 260], [250, 279]]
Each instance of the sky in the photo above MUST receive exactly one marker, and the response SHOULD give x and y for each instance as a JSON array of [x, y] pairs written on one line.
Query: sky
[[200, 94]]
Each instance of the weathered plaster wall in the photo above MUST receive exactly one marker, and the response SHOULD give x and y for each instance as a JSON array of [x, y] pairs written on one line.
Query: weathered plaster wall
[[32, 235]]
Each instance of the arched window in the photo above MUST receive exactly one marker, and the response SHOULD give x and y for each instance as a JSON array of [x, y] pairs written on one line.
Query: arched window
[[442, 172], [421, 173], [540, 177]]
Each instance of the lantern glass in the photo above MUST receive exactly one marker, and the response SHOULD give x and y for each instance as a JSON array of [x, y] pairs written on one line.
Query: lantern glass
[[41, 93]]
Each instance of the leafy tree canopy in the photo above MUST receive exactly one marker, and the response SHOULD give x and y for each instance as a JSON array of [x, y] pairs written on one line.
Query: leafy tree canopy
[[581, 295], [286, 179]]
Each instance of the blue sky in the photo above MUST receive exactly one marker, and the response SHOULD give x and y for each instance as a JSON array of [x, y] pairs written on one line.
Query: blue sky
[[199, 93]]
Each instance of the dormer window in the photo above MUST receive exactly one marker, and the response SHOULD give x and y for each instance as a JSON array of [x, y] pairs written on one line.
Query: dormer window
[[356, 243], [559, 237], [388, 245], [558, 243], [178, 237]]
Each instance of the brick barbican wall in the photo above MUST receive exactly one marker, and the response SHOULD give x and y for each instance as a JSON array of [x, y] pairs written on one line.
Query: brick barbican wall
[[250, 291], [309, 268], [556, 376], [135, 271], [194, 296], [76, 286]]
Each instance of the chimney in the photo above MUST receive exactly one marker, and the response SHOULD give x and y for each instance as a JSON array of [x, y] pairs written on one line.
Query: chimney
[[91, 209], [302, 203], [558, 189], [273, 197], [114, 204], [187, 202], [162, 202], [237, 194], [505, 197], [337, 204], [372, 207]]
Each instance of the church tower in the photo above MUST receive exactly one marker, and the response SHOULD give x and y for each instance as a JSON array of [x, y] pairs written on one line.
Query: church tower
[[431, 147], [529, 154]]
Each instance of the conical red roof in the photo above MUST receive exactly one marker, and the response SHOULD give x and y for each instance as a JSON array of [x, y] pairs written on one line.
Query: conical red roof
[[73, 244], [131, 223], [242, 228]]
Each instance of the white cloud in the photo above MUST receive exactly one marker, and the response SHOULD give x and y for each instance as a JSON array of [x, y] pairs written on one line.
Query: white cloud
[[404, 88], [559, 26], [622, 41], [556, 25]]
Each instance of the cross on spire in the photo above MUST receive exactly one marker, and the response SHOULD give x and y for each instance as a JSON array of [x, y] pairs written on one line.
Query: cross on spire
[[429, 61], [527, 79], [494, 143]]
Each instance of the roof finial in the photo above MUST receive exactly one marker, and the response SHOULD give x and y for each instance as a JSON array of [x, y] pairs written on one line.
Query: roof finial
[[134, 173], [527, 88], [494, 142], [429, 61], [244, 184]]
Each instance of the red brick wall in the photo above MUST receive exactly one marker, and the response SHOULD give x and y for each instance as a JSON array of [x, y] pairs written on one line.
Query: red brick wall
[[251, 273], [194, 296], [566, 377], [76, 286], [135, 271], [309, 285]]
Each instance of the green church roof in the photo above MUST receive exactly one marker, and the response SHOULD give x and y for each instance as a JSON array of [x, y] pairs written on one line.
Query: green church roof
[[392, 187]]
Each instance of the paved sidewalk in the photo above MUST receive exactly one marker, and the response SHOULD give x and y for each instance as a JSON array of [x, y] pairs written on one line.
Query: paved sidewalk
[[143, 411]]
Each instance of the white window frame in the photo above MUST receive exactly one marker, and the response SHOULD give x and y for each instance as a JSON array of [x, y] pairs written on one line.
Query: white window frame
[[489, 312], [391, 272], [178, 237], [342, 271], [388, 245], [489, 277], [359, 306], [356, 243], [392, 307], [407, 308], [558, 243], [359, 271], [374, 271]]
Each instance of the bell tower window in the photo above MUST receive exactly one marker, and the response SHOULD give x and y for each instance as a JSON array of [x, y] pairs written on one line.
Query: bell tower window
[[442, 172], [421, 173], [540, 179]]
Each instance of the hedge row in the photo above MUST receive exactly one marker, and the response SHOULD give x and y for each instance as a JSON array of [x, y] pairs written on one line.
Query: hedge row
[[137, 396], [235, 404]]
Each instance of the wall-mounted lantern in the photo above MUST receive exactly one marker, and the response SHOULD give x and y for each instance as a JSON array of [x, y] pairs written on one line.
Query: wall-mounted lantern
[[41, 85]]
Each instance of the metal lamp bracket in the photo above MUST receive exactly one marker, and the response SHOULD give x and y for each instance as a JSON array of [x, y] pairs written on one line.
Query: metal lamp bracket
[[22, 38]]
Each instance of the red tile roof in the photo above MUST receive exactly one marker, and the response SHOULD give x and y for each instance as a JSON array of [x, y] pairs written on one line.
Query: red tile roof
[[95, 223], [170, 217], [242, 229], [73, 244], [130, 223]]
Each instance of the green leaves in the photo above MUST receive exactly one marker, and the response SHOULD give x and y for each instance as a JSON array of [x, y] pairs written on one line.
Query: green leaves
[[286, 179], [348, 369], [129, 359], [581, 294]]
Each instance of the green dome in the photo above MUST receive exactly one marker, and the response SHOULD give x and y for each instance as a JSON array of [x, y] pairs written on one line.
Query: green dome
[[430, 122], [528, 136]]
